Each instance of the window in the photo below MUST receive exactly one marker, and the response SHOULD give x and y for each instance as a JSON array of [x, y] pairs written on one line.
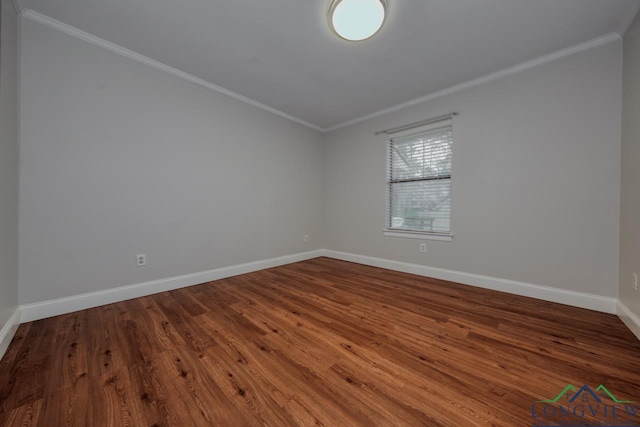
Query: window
[[419, 182]]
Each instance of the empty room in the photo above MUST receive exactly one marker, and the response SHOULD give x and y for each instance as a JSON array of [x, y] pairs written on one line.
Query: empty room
[[320, 213]]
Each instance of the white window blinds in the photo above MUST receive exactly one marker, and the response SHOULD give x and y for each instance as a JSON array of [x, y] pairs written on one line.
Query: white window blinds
[[419, 181]]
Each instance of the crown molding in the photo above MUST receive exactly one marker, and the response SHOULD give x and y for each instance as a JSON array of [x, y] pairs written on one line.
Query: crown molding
[[17, 4], [591, 44], [97, 41], [626, 24]]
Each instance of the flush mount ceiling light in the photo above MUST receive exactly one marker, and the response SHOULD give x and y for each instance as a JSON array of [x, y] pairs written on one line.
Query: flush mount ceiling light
[[356, 20]]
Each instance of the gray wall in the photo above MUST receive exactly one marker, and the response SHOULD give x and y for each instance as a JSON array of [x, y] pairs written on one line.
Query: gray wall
[[536, 167], [630, 194], [119, 159], [9, 151]]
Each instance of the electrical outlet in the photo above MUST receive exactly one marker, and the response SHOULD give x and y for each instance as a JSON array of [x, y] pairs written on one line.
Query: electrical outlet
[[635, 281], [423, 247], [306, 238], [141, 260]]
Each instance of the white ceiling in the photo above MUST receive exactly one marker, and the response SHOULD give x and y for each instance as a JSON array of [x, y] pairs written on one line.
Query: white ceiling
[[281, 53]]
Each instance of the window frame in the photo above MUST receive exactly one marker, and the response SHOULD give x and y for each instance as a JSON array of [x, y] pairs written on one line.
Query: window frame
[[411, 233]]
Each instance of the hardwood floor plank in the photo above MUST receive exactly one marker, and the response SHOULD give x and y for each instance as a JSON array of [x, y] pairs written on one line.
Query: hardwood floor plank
[[26, 377], [27, 415], [190, 331], [315, 343]]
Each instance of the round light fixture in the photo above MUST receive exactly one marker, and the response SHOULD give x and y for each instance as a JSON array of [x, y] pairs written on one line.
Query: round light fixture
[[356, 20]]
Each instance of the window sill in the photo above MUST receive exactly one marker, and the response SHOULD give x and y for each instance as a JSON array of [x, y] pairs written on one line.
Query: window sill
[[418, 235]]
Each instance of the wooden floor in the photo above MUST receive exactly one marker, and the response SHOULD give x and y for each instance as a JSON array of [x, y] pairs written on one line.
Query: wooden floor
[[320, 342]]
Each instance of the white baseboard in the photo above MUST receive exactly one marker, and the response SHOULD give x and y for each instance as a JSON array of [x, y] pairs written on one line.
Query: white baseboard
[[55, 307], [629, 318], [9, 330], [41, 310], [576, 299]]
